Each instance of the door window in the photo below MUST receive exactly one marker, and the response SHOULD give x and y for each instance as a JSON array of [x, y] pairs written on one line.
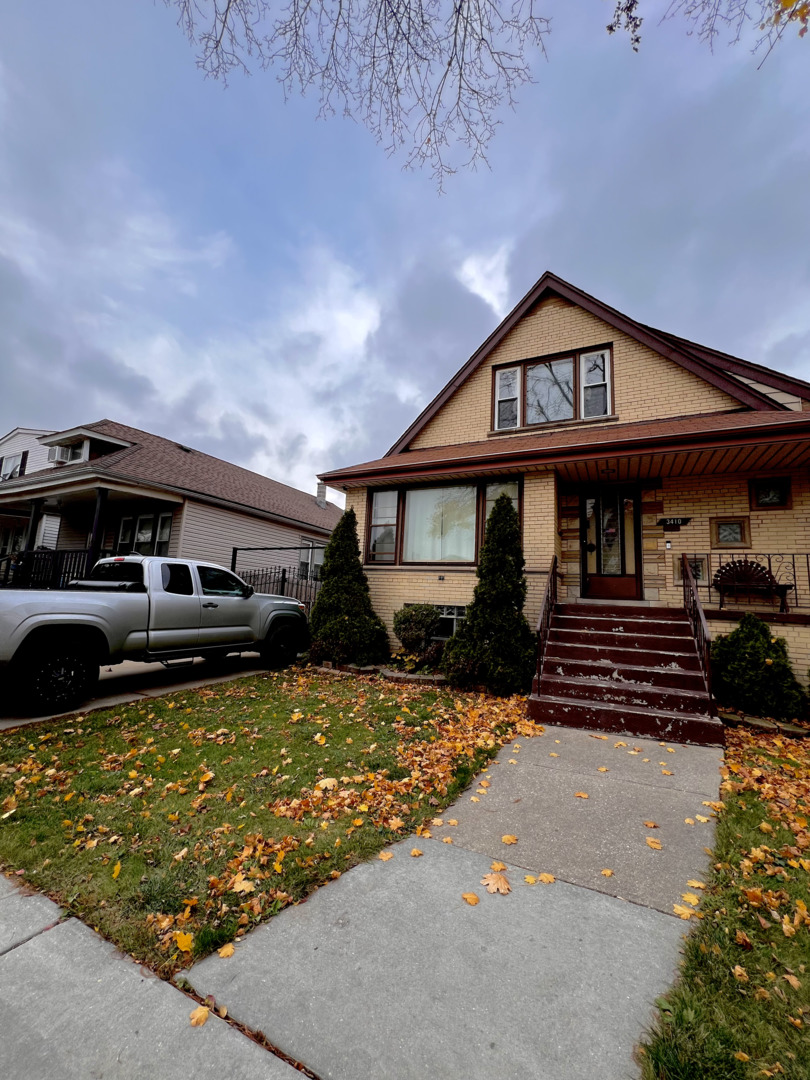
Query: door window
[[216, 582], [177, 579]]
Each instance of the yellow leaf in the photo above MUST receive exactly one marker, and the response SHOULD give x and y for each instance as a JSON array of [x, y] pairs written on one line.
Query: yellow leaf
[[792, 981], [740, 973], [437, 821], [740, 1056], [607, 873], [693, 883], [498, 867], [649, 825], [483, 783], [530, 879], [206, 776], [470, 898], [666, 772], [689, 821], [385, 855], [174, 817], [447, 839], [653, 843], [474, 799], [547, 879], [416, 852], [616, 745], [690, 898], [597, 736], [496, 883], [700, 817], [452, 821], [199, 1016], [319, 739], [328, 782], [580, 795], [762, 994], [183, 941], [552, 754], [602, 768], [683, 912], [240, 885], [117, 869], [226, 950], [509, 839], [670, 750], [357, 822]]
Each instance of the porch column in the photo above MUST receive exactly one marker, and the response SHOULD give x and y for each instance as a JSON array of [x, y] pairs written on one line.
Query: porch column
[[33, 522], [97, 532]]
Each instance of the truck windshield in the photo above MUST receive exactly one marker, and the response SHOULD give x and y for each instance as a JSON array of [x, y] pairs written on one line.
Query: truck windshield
[[118, 571]]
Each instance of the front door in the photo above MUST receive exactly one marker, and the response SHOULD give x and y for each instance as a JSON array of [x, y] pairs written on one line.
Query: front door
[[610, 535]]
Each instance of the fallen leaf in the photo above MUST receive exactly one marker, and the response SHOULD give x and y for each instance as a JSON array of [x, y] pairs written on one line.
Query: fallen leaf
[[385, 855], [447, 839], [226, 950], [739, 973], [452, 821], [496, 883], [328, 783], [693, 883], [597, 736], [241, 885], [666, 772], [116, 870], [547, 879], [762, 994], [199, 1016], [437, 821], [690, 898], [700, 817], [509, 839], [530, 879], [470, 898], [607, 873], [653, 843], [689, 821], [474, 799], [602, 768], [649, 825], [183, 941], [743, 939], [416, 852], [682, 912], [792, 981], [498, 867], [740, 1056], [552, 754], [580, 795]]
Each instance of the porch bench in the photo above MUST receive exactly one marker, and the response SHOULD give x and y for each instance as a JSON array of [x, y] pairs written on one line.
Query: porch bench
[[751, 579]]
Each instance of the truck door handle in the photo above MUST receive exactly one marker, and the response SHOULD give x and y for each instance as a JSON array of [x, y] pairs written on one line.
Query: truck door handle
[[210, 604]]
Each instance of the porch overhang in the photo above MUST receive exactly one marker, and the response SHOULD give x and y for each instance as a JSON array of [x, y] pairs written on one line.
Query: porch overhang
[[58, 492], [740, 442]]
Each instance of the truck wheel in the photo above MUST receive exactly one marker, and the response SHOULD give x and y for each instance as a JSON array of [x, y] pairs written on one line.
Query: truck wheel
[[57, 676], [280, 647]]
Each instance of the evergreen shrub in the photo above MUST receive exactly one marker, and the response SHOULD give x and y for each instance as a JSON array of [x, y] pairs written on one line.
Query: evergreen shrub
[[494, 646], [751, 672], [343, 624], [415, 625]]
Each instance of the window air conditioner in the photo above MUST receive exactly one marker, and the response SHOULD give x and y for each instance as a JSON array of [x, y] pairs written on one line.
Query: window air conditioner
[[59, 453]]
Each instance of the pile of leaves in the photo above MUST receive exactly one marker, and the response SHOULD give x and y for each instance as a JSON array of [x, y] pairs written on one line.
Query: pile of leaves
[[741, 1008], [174, 827]]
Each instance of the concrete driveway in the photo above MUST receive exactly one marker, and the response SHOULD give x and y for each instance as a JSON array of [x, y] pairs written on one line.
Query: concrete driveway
[[130, 682]]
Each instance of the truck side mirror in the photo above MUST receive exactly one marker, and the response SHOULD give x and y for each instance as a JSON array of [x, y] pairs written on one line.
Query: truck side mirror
[[248, 591]]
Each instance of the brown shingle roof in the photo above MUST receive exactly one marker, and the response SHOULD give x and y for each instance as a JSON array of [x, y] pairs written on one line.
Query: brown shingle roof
[[592, 440], [164, 463]]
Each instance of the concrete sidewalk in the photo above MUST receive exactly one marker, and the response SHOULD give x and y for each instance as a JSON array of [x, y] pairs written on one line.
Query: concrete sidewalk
[[387, 973]]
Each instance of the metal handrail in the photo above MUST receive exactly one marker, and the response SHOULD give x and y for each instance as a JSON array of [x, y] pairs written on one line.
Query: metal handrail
[[546, 612], [700, 628]]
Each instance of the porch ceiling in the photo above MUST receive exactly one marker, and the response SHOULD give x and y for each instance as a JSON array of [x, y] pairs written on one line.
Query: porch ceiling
[[60, 496]]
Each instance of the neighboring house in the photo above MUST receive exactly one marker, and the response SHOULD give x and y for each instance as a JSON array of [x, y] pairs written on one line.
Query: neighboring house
[[116, 489], [621, 446], [22, 453]]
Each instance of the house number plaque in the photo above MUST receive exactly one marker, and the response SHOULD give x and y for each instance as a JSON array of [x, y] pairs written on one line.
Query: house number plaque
[[673, 524]]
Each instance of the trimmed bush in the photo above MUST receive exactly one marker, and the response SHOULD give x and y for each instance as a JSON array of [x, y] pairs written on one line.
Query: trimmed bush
[[415, 625], [344, 626], [751, 672], [494, 646]]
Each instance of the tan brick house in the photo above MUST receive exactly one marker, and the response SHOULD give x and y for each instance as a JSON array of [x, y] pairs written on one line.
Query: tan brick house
[[623, 447]]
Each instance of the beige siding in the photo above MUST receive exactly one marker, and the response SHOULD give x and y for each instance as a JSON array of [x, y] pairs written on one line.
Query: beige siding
[[646, 386], [789, 400], [211, 533], [20, 440]]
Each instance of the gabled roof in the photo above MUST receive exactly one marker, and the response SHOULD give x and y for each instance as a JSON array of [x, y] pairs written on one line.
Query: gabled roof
[[151, 460], [713, 367]]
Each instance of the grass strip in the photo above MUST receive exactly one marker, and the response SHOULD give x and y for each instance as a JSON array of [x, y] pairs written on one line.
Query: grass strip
[[741, 1006]]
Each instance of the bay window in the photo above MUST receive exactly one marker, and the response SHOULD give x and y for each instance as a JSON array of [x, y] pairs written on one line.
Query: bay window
[[441, 524], [553, 390]]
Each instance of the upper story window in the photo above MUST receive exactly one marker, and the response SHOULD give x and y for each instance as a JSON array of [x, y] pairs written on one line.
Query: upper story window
[[551, 391], [12, 466]]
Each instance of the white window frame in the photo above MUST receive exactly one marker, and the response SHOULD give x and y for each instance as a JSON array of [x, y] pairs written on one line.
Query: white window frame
[[306, 559], [517, 398], [583, 359], [13, 472]]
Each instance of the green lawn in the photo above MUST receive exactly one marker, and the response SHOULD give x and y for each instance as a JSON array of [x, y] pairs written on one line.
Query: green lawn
[[741, 1008], [174, 827]]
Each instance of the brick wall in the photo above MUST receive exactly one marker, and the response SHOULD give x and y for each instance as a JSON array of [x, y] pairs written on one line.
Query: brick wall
[[646, 386]]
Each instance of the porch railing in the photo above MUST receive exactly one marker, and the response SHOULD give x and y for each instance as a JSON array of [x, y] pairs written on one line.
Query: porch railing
[[283, 581], [45, 569], [700, 628], [791, 569], [546, 614]]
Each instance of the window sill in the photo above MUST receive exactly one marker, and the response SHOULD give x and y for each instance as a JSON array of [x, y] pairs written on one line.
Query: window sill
[[552, 426]]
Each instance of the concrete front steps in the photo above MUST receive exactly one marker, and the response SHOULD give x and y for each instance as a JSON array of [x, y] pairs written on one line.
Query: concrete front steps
[[626, 668]]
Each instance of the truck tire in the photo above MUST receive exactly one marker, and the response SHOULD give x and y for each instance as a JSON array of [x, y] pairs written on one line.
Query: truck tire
[[281, 646], [56, 675]]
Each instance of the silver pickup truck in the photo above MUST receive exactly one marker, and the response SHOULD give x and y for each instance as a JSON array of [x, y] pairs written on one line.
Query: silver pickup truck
[[52, 642]]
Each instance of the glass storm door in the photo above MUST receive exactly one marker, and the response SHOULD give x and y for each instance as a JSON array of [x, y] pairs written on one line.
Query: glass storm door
[[610, 537]]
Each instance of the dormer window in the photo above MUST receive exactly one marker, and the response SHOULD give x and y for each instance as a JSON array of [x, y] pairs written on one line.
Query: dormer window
[[63, 454], [553, 390]]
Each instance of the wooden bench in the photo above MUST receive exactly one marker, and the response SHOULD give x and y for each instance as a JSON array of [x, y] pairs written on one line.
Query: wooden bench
[[751, 579]]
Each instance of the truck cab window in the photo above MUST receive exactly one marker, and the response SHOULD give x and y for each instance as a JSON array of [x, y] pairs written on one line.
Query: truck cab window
[[216, 582], [177, 579]]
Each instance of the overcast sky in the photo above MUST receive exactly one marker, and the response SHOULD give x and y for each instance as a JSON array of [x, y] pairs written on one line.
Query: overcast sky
[[218, 267]]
